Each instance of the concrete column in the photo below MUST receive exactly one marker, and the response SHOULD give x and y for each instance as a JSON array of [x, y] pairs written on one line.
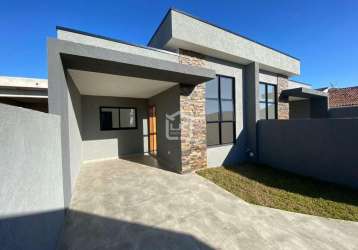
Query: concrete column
[[251, 108], [57, 104], [64, 100]]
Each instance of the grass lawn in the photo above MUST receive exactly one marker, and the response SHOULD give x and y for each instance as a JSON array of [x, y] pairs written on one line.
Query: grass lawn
[[270, 187]]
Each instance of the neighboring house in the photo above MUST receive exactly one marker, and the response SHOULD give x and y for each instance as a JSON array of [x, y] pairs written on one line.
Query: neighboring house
[[343, 102], [343, 97], [305, 102], [24, 92]]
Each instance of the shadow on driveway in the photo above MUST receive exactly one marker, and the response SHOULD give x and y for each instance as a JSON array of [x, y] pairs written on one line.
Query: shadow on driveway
[[87, 231]]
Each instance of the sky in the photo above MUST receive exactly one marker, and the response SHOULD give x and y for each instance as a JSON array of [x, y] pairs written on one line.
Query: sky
[[322, 34]]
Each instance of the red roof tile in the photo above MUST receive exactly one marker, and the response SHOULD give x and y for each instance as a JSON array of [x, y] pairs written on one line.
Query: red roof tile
[[343, 97]]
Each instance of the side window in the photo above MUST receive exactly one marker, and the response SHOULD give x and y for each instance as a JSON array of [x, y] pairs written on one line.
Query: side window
[[220, 111], [115, 118], [268, 101]]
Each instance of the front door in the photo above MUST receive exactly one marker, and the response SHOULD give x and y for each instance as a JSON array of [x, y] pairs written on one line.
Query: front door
[[152, 120]]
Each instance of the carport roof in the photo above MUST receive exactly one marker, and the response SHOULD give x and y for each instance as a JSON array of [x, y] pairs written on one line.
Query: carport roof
[[303, 93], [96, 59]]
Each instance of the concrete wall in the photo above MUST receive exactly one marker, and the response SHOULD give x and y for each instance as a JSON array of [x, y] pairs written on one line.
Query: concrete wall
[[314, 108], [343, 112], [58, 101], [110, 144], [268, 77], [36, 104], [163, 34], [322, 148], [319, 108], [169, 151], [31, 193], [300, 109], [116, 45], [75, 129], [251, 106]]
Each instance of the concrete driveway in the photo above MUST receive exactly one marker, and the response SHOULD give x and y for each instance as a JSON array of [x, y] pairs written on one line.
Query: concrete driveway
[[121, 204]]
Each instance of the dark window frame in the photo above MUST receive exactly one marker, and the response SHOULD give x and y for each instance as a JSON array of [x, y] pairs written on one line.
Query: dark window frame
[[220, 120], [267, 102], [119, 118]]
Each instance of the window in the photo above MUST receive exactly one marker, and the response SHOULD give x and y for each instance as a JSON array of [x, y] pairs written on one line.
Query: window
[[114, 118], [220, 111], [268, 101]]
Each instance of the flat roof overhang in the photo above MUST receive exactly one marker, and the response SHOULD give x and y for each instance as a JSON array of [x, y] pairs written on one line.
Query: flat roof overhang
[[22, 92], [180, 30], [301, 94], [96, 59]]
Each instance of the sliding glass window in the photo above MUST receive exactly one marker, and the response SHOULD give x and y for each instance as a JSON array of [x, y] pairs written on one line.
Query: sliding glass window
[[268, 101], [220, 111]]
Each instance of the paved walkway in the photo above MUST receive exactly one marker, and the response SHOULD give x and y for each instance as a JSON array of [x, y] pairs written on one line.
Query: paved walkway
[[121, 204]]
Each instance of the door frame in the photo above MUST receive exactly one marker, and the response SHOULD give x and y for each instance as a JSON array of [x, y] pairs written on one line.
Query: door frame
[[150, 133]]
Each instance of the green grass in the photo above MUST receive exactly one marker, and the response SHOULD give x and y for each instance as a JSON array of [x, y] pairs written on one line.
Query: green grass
[[274, 188]]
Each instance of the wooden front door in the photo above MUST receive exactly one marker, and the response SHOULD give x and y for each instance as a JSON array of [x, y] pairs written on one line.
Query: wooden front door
[[152, 120]]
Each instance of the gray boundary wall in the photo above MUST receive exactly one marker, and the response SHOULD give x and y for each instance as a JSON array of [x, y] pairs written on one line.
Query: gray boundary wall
[[343, 112], [31, 190], [326, 149]]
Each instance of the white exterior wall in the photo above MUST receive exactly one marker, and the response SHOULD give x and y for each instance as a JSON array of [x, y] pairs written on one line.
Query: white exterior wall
[[22, 82], [293, 84], [268, 77]]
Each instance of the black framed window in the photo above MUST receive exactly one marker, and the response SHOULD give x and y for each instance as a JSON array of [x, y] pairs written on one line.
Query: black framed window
[[115, 118], [220, 111], [268, 101]]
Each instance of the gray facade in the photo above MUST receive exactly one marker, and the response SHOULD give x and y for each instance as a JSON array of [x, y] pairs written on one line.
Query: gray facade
[[87, 72], [321, 148], [134, 61], [181, 30], [31, 181], [100, 145], [65, 97], [251, 114], [167, 103]]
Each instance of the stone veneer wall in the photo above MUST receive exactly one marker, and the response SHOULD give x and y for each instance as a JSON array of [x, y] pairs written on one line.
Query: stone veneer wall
[[192, 118], [283, 108], [191, 58]]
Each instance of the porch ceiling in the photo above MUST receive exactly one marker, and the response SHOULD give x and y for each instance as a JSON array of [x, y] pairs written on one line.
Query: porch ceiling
[[102, 84]]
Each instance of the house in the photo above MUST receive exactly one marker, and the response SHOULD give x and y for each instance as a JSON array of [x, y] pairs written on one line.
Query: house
[[196, 96], [24, 92], [191, 97], [305, 102]]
